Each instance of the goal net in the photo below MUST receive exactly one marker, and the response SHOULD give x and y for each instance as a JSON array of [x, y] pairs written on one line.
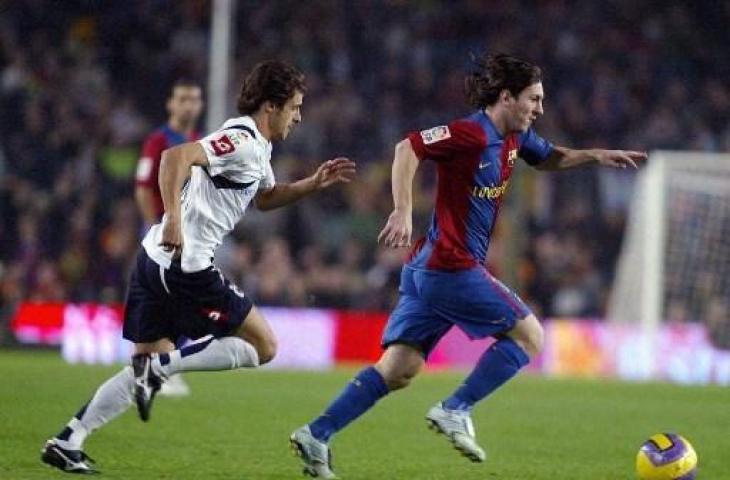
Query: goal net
[[675, 261]]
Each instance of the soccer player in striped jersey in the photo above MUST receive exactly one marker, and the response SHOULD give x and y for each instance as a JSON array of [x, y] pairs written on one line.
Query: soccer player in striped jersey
[[184, 106], [174, 288], [444, 283]]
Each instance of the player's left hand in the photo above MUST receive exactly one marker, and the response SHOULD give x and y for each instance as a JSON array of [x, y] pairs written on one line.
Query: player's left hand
[[397, 231], [339, 170], [620, 158]]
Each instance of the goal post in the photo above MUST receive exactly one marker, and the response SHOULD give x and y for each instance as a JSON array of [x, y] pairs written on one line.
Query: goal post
[[675, 260], [219, 62]]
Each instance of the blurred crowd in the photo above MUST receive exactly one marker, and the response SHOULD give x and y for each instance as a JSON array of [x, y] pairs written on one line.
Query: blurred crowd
[[82, 83]]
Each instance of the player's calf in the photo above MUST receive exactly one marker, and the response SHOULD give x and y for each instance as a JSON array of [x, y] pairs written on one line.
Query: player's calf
[[211, 354]]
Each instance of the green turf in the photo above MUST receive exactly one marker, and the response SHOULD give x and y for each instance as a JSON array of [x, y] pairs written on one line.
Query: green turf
[[235, 426]]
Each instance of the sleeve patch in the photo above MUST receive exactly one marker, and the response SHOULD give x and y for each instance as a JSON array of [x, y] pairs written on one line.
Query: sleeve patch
[[435, 134], [144, 169], [222, 145]]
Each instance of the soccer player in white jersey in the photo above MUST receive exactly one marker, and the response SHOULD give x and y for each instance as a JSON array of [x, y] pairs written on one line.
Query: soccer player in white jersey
[[174, 288]]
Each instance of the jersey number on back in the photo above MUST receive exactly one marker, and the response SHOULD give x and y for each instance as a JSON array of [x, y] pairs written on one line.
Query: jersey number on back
[[222, 145]]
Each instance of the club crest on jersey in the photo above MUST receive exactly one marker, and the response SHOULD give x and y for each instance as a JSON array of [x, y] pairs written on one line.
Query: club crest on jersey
[[222, 145], [435, 134], [511, 157], [239, 137]]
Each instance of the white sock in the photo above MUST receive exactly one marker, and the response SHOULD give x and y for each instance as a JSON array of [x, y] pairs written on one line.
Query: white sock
[[111, 399], [224, 353]]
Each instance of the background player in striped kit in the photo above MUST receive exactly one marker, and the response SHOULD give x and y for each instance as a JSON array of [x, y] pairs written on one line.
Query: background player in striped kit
[[444, 282]]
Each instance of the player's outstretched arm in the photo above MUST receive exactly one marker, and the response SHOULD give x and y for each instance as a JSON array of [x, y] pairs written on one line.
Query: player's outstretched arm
[[174, 169], [397, 231], [563, 158], [339, 170]]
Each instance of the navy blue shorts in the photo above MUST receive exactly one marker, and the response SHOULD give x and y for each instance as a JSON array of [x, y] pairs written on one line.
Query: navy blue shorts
[[168, 303], [431, 302]]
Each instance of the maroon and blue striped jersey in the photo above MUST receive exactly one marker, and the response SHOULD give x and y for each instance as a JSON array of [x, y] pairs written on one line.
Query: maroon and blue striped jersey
[[148, 167], [474, 165]]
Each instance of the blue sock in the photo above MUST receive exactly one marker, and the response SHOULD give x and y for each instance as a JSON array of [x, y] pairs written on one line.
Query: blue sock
[[355, 399], [498, 364]]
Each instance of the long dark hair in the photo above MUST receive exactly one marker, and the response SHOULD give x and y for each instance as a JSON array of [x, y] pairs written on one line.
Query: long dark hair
[[271, 81], [494, 73]]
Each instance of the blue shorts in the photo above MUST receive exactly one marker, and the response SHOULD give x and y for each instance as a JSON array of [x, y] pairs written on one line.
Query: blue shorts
[[431, 302], [168, 303]]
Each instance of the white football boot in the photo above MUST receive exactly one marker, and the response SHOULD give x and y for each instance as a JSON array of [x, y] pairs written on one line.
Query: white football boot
[[459, 429], [315, 454], [175, 386]]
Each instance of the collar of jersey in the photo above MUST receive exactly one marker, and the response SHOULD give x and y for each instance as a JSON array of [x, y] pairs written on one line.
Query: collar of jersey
[[248, 121], [493, 132]]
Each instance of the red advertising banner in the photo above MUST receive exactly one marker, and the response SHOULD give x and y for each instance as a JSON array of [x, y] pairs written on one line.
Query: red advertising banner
[[320, 338]]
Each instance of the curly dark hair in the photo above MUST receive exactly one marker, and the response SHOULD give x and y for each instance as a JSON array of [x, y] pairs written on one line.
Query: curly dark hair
[[272, 81], [494, 73]]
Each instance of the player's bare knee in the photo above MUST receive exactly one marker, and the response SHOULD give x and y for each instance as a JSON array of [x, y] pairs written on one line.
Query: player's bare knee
[[538, 340], [395, 378], [398, 365], [266, 349], [256, 331], [401, 379], [529, 335]]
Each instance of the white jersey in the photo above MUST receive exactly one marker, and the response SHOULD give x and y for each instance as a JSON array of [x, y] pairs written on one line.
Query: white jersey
[[215, 197]]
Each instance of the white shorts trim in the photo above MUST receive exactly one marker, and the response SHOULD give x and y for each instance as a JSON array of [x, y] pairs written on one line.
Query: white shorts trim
[[162, 278]]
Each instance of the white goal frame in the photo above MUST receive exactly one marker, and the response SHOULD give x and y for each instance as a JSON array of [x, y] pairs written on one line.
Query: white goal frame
[[639, 292]]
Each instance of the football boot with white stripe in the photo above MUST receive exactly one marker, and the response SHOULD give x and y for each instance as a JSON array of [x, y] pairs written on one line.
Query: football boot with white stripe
[[146, 384], [457, 426], [314, 453], [70, 461]]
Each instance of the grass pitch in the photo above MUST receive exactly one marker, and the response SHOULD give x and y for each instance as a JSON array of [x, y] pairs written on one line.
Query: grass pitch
[[235, 426]]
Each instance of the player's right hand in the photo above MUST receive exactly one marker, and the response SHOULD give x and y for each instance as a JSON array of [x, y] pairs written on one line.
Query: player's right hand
[[172, 239], [397, 231]]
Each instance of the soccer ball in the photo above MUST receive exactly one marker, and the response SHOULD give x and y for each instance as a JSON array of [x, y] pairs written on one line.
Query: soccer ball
[[666, 456]]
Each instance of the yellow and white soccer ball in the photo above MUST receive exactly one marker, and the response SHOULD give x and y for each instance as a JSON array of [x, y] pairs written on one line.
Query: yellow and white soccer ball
[[666, 456]]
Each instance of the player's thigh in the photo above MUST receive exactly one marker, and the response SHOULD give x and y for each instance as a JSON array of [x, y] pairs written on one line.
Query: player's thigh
[[205, 303], [146, 317], [256, 331], [475, 301], [399, 364], [412, 322]]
